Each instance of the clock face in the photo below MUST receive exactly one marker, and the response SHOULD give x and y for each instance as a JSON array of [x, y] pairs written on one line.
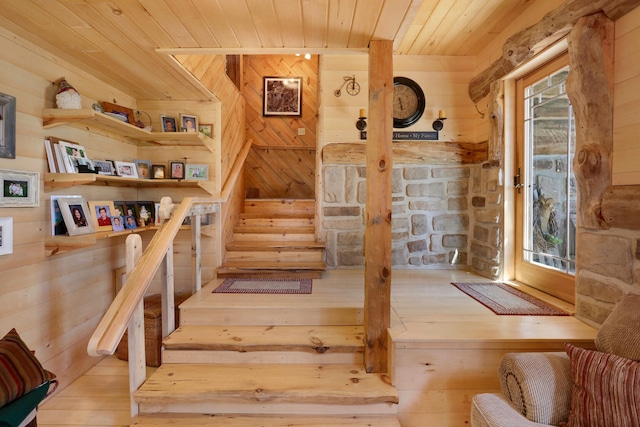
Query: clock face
[[408, 102]]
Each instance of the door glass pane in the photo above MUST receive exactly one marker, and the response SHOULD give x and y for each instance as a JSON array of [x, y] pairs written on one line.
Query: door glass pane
[[550, 191]]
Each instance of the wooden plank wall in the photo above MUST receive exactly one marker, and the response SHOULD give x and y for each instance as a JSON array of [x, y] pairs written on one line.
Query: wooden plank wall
[[626, 101], [55, 302], [282, 162]]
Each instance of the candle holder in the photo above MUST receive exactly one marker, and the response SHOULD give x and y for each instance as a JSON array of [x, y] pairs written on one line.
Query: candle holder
[[438, 124], [361, 124]]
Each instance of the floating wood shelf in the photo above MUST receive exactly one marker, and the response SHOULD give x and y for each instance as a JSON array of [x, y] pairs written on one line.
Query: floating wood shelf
[[94, 121], [57, 181], [56, 245]]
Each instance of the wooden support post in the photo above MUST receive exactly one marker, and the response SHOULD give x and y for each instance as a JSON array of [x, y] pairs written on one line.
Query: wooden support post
[[377, 248], [496, 117], [167, 294], [590, 89], [196, 252], [135, 333]]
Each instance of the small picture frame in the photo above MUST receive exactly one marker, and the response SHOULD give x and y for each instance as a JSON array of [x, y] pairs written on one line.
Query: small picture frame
[[72, 154], [131, 209], [146, 213], [282, 96], [125, 113], [101, 213], [126, 169], [103, 167], [176, 169], [117, 223], [143, 168], [158, 171], [168, 123], [197, 172], [6, 235], [77, 216], [188, 123], [58, 227], [158, 220], [7, 126], [19, 189], [206, 129]]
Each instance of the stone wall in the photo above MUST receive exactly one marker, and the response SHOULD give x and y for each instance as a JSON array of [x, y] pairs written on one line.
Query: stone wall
[[487, 186], [430, 222]]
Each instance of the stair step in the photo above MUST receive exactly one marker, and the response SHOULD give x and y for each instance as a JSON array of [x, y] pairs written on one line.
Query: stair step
[[267, 389], [264, 344], [312, 270], [275, 245], [280, 221], [275, 256], [199, 420], [280, 206], [277, 215], [305, 229]]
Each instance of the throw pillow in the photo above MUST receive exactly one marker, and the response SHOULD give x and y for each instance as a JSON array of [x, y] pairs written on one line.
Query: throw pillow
[[606, 390], [619, 334], [20, 371]]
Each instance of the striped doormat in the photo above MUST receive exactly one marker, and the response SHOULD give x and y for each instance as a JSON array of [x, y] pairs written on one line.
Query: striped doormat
[[504, 299], [264, 286]]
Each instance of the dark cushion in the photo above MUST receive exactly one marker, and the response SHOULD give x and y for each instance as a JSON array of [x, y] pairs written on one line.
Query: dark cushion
[[14, 413], [606, 391], [20, 371]]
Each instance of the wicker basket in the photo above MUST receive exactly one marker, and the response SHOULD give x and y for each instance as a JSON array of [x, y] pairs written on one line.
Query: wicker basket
[[152, 329]]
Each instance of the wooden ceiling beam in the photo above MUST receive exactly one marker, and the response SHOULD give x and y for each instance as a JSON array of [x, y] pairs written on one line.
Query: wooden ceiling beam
[[263, 51]]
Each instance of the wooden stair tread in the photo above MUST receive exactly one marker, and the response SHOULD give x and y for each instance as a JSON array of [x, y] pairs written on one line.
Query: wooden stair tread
[[199, 420], [347, 384], [265, 265], [274, 230], [315, 339], [277, 215], [275, 245]]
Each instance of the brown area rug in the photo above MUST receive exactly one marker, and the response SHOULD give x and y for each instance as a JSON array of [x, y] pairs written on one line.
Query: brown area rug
[[504, 299], [264, 286]]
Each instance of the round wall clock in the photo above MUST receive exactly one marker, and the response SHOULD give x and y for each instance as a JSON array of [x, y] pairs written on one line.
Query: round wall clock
[[408, 102]]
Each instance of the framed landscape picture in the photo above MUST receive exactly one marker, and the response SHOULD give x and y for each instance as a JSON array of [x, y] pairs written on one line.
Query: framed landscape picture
[[282, 96]]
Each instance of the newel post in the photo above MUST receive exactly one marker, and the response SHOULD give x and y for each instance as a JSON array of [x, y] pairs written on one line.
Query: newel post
[[135, 332]]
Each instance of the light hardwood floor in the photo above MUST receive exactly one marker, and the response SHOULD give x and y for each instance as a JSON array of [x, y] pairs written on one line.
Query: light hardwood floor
[[426, 308]]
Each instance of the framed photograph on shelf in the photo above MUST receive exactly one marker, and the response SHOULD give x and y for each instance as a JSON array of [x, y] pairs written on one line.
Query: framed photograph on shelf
[[282, 96], [188, 123], [158, 221], [119, 112], [169, 123], [72, 153], [176, 169], [6, 235], [126, 169], [101, 213], [19, 189], [131, 210], [117, 223], [197, 172], [143, 168], [58, 227], [77, 216], [146, 213], [119, 208], [158, 172], [103, 167], [206, 129], [7, 126]]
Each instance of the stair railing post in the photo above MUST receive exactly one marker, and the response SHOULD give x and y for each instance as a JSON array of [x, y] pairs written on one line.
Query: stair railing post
[[135, 332], [196, 252], [167, 294]]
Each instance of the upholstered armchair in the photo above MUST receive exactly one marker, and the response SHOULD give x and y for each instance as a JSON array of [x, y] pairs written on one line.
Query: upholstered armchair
[[579, 387]]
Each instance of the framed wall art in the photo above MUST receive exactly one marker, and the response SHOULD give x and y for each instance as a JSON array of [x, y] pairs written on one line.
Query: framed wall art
[[103, 167], [6, 236], [176, 170], [206, 129], [101, 213], [119, 112], [197, 172], [158, 171], [7, 126], [282, 96], [188, 123], [168, 123], [126, 169], [19, 189], [77, 216], [143, 168], [58, 227]]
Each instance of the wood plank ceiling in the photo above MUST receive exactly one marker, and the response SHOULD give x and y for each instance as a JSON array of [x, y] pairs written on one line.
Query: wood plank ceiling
[[127, 43]]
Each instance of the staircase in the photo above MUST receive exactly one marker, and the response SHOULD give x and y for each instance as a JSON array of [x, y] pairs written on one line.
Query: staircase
[[275, 238], [242, 372]]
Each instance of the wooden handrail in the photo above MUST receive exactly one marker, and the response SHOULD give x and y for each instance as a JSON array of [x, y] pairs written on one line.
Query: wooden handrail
[[113, 324]]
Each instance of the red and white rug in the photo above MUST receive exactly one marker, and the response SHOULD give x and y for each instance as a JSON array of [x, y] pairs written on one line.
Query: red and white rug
[[504, 299], [264, 286]]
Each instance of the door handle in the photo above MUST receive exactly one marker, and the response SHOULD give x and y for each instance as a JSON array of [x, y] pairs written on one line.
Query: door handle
[[516, 181]]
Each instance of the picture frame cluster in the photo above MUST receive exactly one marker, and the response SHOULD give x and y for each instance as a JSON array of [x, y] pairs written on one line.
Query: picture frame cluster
[[70, 157], [185, 123]]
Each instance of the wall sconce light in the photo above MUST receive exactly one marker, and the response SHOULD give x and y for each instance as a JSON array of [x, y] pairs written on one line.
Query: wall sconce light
[[438, 124], [361, 124]]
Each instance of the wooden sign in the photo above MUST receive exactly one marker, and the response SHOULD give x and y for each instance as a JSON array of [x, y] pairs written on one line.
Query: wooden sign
[[408, 136]]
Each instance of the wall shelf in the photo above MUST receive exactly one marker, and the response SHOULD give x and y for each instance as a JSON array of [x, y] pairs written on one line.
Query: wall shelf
[[58, 181], [94, 121]]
